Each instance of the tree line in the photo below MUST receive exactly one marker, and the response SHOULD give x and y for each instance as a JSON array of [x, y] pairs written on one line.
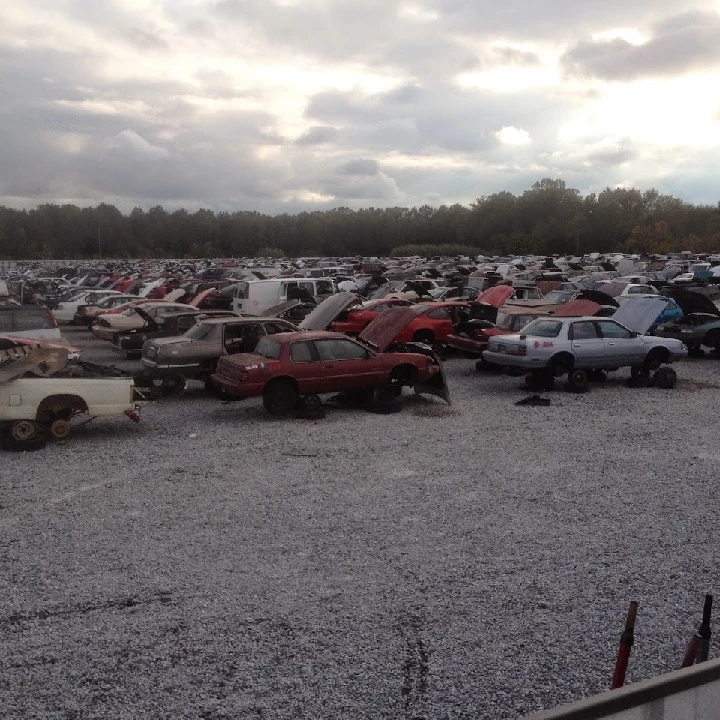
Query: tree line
[[548, 218]]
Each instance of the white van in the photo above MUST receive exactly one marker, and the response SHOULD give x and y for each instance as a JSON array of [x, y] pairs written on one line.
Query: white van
[[254, 297]]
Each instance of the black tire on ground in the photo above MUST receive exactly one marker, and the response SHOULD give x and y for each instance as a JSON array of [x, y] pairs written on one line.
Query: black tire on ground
[[578, 378], [665, 378], [695, 351], [310, 407], [597, 376], [385, 402], [640, 373], [280, 397]]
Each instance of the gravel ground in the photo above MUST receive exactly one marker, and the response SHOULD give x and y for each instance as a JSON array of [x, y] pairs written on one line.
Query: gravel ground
[[473, 561]]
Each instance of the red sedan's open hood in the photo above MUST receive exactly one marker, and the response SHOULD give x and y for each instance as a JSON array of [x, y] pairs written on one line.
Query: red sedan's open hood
[[387, 326], [324, 314]]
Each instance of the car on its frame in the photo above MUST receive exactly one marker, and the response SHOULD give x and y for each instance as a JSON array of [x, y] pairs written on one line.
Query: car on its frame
[[287, 366], [562, 345]]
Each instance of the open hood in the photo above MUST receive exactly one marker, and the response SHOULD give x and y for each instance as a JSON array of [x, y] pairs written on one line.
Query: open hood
[[613, 288], [326, 312], [150, 324], [692, 302], [497, 295], [174, 295], [639, 314], [385, 328]]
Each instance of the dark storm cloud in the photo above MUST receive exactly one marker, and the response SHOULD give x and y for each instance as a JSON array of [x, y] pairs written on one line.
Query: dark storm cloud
[[686, 42]]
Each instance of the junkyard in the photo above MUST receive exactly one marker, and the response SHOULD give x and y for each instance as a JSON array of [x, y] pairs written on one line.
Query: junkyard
[[472, 559]]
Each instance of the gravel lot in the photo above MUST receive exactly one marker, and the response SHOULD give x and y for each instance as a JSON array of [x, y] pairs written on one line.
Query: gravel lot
[[473, 561]]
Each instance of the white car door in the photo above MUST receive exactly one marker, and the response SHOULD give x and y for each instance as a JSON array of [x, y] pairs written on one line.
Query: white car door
[[587, 345], [621, 345]]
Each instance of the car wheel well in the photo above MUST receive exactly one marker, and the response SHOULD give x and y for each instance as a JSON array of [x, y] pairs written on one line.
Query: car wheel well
[[405, 374], [561, 362], [656, 357], [60, 406], [424, 336]]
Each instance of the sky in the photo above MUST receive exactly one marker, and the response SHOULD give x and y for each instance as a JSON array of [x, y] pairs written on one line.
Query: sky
[[291, 105]]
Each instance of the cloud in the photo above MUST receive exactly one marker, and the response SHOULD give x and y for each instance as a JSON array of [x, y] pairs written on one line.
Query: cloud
[[678, 45], [269, 104]]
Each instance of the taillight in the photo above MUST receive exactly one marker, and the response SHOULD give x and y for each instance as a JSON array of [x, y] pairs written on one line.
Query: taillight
[[246, 293], [522, 349], [244, 376], [52, 317]]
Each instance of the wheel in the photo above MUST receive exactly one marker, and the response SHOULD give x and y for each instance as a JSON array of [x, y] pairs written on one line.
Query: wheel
[[60, 429], [655, 358], [385, 402], [597, 376], [665, 378], [712, 339], [639, 372], [23, 430], [560, 365], [424, 336], [578, 378], [311, 408], [280, 397]]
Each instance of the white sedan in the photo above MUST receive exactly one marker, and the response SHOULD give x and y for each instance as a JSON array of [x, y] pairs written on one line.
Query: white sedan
[[65, 311], [562, 345]]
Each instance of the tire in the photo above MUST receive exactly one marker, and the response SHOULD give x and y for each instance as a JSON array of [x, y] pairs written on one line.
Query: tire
[[385, 402], [310, 407], [640, 373], [578, 378], [655, 358], [209, 387], [280, 397], [560, 365], [712, 340], [23, 431], [665, 378], [424, 336], [170, 387]]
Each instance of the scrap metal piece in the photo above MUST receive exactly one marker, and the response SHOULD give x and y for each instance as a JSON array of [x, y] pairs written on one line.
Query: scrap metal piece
[[39, 360]]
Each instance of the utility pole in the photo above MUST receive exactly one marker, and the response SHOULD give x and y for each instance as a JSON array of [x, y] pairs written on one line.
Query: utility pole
[[99, 240]]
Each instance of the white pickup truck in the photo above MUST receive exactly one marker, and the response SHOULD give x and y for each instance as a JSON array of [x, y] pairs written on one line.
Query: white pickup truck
[[39, 394]]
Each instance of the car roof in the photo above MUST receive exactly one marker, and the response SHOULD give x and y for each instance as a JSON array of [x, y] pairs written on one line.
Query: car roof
[[309, 335]]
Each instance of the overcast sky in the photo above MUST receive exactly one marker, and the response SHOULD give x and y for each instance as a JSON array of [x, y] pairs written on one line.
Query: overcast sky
[[288, 105]]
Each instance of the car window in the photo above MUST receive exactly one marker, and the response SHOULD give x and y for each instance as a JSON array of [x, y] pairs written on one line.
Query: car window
[[27, 319], [268, 348], [583, 331], [543, 328], [300, 352], [200, 331], [340, 350], [521, 321], [324, 287], [612, 329], [309, 286], [439, 314], [272, 328], [185, 323], [381, 308]]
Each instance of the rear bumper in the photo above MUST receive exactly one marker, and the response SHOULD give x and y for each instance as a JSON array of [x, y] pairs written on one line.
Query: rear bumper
[[466, 344], [238, 390]]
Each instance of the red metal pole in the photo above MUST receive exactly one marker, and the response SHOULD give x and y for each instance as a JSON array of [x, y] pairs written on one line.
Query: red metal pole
[[626, 642]]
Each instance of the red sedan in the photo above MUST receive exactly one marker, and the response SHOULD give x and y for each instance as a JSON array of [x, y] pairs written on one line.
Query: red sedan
[[285, 366], [433, 322], [354, 320]]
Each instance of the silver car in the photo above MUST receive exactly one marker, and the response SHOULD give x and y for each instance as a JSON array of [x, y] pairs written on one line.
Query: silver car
[[589, 343]]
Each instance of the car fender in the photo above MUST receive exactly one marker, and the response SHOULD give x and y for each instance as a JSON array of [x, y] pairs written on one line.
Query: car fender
[[435, 384]]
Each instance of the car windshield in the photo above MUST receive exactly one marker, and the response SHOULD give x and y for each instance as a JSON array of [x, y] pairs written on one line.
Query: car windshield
[[542, 328], [558, 297], [504, 321], [129, 312], [268, 348], [199, 331]]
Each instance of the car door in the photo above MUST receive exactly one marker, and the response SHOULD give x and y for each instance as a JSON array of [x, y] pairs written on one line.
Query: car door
[[307, 368], [440, 321], [347, 365], [622, 347], [587, 345]]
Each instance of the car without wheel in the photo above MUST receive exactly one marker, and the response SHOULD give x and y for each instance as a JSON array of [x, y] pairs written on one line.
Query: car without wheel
[[562, 345]]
